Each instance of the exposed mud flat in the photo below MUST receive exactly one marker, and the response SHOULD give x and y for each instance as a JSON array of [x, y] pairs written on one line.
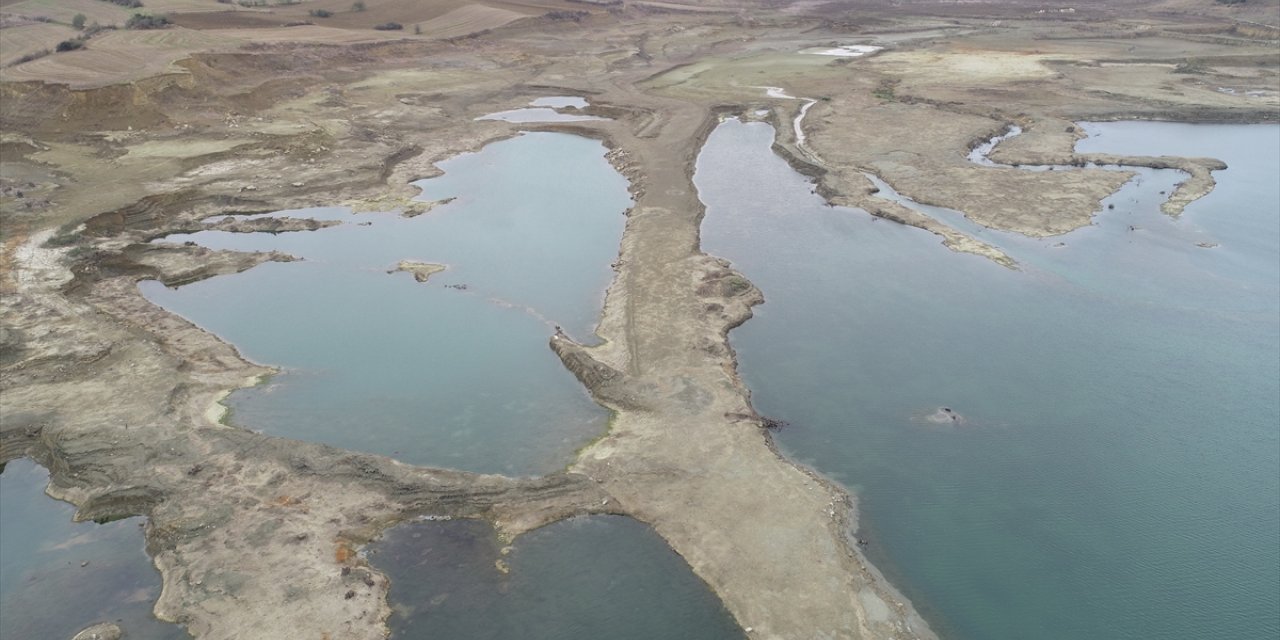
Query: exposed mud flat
[[112, 394]]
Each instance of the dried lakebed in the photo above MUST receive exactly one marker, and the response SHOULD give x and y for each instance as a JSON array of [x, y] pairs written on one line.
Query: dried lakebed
[[1115, 471]]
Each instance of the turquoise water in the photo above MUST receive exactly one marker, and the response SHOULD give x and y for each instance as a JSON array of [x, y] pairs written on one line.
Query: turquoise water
[[424, 372], [580, 579], [44, 590], [1117, 472]]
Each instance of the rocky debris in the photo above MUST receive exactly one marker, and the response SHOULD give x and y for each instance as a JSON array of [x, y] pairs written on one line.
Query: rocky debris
[[269, 224], [607, 384], [417, 208]]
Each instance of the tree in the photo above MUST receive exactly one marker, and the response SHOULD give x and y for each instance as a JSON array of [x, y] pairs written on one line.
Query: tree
[[141, 21], [78, 21]]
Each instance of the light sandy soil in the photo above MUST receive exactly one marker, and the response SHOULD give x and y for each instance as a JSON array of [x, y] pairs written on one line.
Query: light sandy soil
[[26, 39], [117, 397]]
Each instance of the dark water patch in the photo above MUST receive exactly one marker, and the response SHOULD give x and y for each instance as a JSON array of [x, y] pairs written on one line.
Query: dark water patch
[[581, 579], [58, 576]]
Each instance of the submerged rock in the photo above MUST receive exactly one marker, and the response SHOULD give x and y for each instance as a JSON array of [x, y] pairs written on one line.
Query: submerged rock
[[100, 631], [945, 415]]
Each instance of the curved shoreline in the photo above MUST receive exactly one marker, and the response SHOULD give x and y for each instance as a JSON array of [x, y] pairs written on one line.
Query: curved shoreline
[[685, 434], [647, 409], [686, 453]]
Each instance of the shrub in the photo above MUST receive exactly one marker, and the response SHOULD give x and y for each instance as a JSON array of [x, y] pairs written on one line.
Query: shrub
[[1191, 66], [575, 16], [70, 45], [143, 21], [95, 28], [358, 5], [321, 13], [128, 4], [34, 55], [388, 26]]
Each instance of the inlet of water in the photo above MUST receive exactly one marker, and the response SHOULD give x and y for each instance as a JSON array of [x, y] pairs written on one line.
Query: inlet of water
[[58, 576], [1117, 470], [454, 372], [545, 110]]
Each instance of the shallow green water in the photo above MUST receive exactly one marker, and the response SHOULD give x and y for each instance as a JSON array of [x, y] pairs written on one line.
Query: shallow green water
[[426, 373], [45, 593], [580, 579], [1118, 472]]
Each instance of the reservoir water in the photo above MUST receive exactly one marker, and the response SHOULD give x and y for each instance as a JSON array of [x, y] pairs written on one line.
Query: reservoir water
[[58, 576], [1116, 471], [454, 372], [580, 579], [463, 378]]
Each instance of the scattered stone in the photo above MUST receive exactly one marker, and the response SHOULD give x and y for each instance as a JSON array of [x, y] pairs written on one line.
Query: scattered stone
[[773, 424]]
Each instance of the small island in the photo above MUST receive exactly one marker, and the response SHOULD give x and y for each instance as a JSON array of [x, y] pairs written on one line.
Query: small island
[[422, 271]]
